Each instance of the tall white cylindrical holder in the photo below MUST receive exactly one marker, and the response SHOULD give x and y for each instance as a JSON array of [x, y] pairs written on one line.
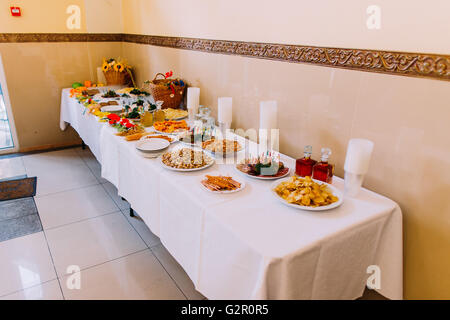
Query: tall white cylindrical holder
[[268, 111], [224, 113], [193, 101], [357, 161]]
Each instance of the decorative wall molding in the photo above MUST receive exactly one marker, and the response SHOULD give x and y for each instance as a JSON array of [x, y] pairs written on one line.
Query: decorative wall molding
[[60, 37], [434, 66], [399, 63]]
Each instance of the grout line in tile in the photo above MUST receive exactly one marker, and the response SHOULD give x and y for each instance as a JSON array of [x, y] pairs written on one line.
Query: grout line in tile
[[53, 262], [82, 220], [77, 188], [90, 169], [101, 263], [104, 188], [134, 228], [49, 251], [176, 284], [36, 285]]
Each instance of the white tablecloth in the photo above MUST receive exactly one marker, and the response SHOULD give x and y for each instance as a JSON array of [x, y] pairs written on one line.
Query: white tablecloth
[[248, 245]]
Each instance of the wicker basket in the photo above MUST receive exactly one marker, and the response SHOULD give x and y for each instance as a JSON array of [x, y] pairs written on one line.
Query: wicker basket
[[161, 92], [114, 77]]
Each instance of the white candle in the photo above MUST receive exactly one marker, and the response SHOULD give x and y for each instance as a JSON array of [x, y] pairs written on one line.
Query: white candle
[[100, 76], [193, 98], [268, 115], [359, 152], [225, 110]]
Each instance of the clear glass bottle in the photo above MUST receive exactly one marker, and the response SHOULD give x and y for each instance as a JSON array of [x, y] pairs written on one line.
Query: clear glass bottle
[[159, 115], [322, 170], [147, 119], [304, 166]]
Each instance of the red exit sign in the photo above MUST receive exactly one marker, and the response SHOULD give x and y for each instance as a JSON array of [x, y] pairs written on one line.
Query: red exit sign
[[15, 11]]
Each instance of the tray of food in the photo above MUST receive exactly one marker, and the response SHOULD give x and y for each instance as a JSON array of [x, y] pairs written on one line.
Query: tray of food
[[307, 194], [171, 126], [263, 167], [175, 114], [222, 184], [221, 147], [186, 159]]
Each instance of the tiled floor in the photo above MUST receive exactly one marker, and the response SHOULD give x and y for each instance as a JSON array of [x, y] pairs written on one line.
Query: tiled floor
[[86, 225]]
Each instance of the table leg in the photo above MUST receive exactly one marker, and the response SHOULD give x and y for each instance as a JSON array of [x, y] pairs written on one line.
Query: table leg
[[131, 210]]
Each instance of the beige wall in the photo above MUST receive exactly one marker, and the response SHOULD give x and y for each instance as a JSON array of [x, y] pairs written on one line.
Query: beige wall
[[405, 25], [407, 118], [49, 16], [36, 72]]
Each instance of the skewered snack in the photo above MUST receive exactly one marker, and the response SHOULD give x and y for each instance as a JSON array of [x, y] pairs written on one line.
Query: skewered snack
[[262, 166], [136, 136], [170, 126], [305, 192], [221, 146], [159, 137], [186, 158], [220, 183]]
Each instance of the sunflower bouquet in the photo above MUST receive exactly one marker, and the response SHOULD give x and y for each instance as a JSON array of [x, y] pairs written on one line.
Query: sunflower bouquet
[[117, 71]]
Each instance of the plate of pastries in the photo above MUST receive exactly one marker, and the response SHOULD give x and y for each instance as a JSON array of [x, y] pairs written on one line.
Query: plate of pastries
[[170, 126], [307, 194]]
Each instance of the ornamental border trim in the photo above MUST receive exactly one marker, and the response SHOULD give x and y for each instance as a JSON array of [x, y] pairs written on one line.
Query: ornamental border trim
[[433, 66]]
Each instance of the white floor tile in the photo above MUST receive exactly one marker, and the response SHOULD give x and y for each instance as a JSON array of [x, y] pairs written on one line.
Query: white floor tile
[[149, 237], [24, 262], [137, 276], [112, 191], [74, 205], [46, 291], [92, 163], [177, 273], [58, 171], [93, 241], [66, 158], [11, 167]]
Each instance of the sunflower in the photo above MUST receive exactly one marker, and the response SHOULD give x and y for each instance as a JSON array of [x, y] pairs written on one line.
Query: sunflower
[[105, 66], [118, 67]]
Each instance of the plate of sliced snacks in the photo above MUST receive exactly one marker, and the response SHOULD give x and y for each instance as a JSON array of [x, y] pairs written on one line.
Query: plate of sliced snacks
[[266, 167], [186, 159], [307, 194], [222, 184], [171, 126], [175, 114]]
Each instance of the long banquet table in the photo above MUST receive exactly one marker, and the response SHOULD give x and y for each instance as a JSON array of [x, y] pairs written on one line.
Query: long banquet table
[[248, 245]]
